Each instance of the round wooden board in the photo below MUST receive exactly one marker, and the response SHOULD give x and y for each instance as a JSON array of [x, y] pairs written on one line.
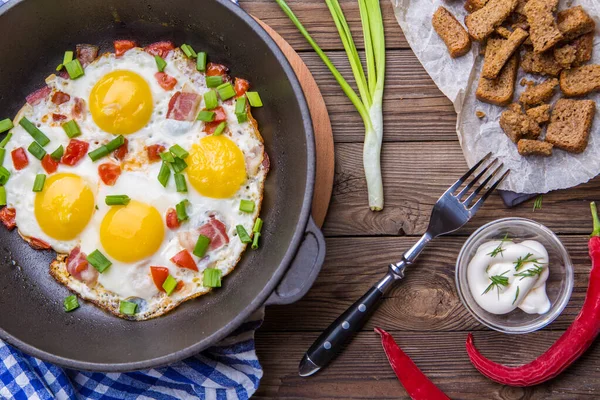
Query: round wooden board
[[321, 126]]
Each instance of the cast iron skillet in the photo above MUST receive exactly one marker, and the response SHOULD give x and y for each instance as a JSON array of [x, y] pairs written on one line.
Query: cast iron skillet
[[35, 34]]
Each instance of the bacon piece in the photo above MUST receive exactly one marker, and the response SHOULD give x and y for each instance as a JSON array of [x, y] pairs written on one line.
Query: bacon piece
[[19, 158], [184, 259], [241, 86], [154, 151], [266, 162], [159, 276], [165, 81], [49, 164], [38, 244], [59, 97], [254, 158], [75, 151], [86, 53], [109, 173], [64, 74], [79, 268], [122, 151], [216, 231], [172, 220], [213, 69], [183, 106], [121, 46], [220, 116], [161, 49], [8, 217], [58, 117], [78, 107], [37, 96]]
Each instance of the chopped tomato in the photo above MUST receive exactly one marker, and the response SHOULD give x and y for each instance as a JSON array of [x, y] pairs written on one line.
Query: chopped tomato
[[109, 173], [172, 220], [159, 48], [59, 97], [122, 151], [121, 46], [159, 275], [220, 114], [241, 86], [7, 217], [154, 152], [184, 259], [38, 244], [165, 81], [75, 151], [210, 127], [49, 164], [179, 286], [58, 117], [213, 69], [19, 158]]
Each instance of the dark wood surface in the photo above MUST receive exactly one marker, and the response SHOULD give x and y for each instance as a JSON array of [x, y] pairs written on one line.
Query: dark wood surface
[[421, 158]]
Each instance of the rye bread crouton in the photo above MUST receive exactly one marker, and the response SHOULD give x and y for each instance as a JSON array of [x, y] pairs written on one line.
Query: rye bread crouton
[[518, 126], [503, 32], [474, 5], [570, 124], [543, 30], [574, 22], [538, 94], [452, 32], [482, 22], [540, 114], [521, 6], [499, 91], [580, 81], [565, 55], [540, 63], [528, 147], [493, 65], [575, 53]]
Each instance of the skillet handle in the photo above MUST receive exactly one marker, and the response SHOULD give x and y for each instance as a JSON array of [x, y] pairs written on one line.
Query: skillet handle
[[304, 269]]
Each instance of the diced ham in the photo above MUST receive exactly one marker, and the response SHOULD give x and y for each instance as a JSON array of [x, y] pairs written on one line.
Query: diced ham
[[183, 106], [38, 244], [79, 268], [37, 96], [165, 81], [8, 217], [58, 117], [121, 46], [86, 53], [78, 108], [161, 49], [59, 98]]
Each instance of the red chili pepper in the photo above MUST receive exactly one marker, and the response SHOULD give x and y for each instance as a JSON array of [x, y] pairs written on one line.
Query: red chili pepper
[[418, 386], [572, 344]]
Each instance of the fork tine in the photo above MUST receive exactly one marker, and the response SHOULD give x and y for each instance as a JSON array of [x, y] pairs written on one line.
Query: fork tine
[[475, 180], [462, 180], [488, 193], [469, 199]]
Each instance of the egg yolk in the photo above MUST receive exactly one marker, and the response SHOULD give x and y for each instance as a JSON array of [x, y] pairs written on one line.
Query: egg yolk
[[64, 207], [132, 232], [216, 167], [121, 102]]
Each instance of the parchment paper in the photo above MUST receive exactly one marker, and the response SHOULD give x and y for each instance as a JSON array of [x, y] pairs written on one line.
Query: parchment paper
[[458, 78]]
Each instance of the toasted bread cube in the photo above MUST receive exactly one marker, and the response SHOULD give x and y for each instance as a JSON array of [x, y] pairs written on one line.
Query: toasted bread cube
[[528, 147], [570, 124], [483, 22], [474, 5], [452, 33], [544, 29], [580, 81], [518, 126], [493, 65], [540, 114], [574, 22], [499, 91], [538, 94], [540, 63], [575, 53]]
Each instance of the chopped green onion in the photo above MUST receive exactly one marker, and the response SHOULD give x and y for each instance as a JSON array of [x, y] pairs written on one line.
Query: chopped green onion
[[59, 67], [210, 100], [2, 196], [220, 128], [201, 62], [178, 151], [74, 69], [68, 57], [180, 183], [246, 206], [5, 125], [257, 225], [242, 234], [36, 150], [71, 129], [169, 285], [254, 99], [226, 91], [70, 303], [201, 246], [98, 261], [214, 81], [189, 52], [117, 200], [115, 143], [206, 116], [127, 307], [4, 175], [164, 174], [2, 154], [212, 277], [160, 63], [58, 153], [179, 165], [5, 140], [255, 240], [38, 184], [100, 152], [167, 156], [35, 133], [240, 109], [181, 211]]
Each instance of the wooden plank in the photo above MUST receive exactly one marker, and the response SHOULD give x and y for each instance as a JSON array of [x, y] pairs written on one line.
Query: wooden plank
[[414, 176], [316, 18], [426, 300]]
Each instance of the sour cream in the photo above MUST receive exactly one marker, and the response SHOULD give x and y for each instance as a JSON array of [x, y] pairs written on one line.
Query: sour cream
[[504, 275]]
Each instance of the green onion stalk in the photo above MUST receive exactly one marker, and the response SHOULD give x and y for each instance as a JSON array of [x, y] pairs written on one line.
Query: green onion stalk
[[368, 101]]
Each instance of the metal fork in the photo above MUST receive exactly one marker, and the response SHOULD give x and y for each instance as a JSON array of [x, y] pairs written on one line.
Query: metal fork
[[449, 213]]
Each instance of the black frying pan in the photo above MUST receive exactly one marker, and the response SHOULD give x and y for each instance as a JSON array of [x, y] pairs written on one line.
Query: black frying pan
[[35, 34]]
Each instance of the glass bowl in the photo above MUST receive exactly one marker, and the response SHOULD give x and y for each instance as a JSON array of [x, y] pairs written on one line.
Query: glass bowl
[[558, 286]]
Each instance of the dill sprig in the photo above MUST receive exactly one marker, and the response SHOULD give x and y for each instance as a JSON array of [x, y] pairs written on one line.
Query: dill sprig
[[531, 272], [537, 204], [499, 249], [497, 281], [521, 261], [516, 296]]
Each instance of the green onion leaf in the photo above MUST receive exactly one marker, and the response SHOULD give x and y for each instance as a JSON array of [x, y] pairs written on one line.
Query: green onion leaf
[[206, 116], [117, 200], [226, 91], [212, 277], [58, 153], [167, 156], [201, 62], [257, 225], [36, 150], [2, 196], [98, 261], [189, 52], [5, 125], [181, 211], [4, 175], [210, 100], [71, 129], [178, 165], [35, 133], [70, 303], [240, 109], [201, 246], [127, 307], [214, 81], [99, 153], [160, 63], [242, 234], [5, 140], [68, 57], [115, 143], [169, 285], [220, 128], [59, 67], [246, 206], [254, 99], [180, 183], [38, 184], [164, 174], [2, 154], [74, 69], [255, 241], [178, 151]]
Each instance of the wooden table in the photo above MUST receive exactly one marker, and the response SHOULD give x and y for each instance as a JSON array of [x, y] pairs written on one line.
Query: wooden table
[[421, 158]]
